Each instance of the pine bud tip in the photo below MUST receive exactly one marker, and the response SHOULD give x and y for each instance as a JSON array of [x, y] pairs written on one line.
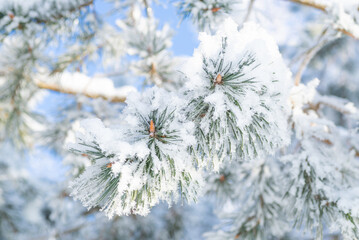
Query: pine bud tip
[[152, 128], [222, 178], [216, 9], [218, 79]]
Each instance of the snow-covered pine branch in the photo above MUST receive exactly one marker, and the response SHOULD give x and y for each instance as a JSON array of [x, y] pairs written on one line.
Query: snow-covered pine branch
[[80, 84], [35, 14], [233, 133], [322, 174], [256, 202], [206, 14], [238, 110], [142, 161], [17, 118], [237, 87], [36, 65], [151, 45]]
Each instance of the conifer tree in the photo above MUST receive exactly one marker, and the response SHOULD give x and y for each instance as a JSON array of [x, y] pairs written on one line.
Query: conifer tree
[[155, 143]]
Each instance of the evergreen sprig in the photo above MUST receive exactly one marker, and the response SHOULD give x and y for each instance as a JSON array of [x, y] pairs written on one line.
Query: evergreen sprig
[[223, 135], [161, 122], [151, 44], [259, 201], [205, 13], [15, 17], [311, 204], [153, 166], [311, 207]]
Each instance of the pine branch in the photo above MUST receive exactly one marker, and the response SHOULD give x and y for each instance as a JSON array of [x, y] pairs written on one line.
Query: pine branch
[[89, 87], [58, 88], [217, 102], [57, 16], [324, 8], [128, 181], [339, 104], [311, 3], [205, 14], [78, 8]]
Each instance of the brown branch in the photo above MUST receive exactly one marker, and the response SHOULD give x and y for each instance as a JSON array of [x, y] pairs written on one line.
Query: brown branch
[[71, 10], [148, 9], [84, 5], [311, 3], [55, 87]]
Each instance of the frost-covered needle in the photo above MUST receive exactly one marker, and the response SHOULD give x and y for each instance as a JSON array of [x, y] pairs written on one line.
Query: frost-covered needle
[[152, 129]]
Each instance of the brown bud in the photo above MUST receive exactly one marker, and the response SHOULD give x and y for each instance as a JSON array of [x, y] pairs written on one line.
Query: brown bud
[[222, 178], [153, 70], [152, 129], [109, 165], [216, 9], [218, 79]]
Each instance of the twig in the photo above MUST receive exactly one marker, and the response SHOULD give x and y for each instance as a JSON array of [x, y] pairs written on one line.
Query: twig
[[148, 9], [338, 104], [249, 10], [310, 53], [311, 3], [59, 16]]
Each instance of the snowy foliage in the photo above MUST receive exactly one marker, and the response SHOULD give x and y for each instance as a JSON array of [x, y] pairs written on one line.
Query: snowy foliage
[[257, 213], [98, 104], [18, 15], [19, 61], [323, 171], [237, 89], [147, 162], [151, 45], [147, 158], [206, 14], [345, 15]]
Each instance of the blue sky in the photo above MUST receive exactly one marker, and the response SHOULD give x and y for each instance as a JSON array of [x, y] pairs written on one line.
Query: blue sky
[[185, 38]]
